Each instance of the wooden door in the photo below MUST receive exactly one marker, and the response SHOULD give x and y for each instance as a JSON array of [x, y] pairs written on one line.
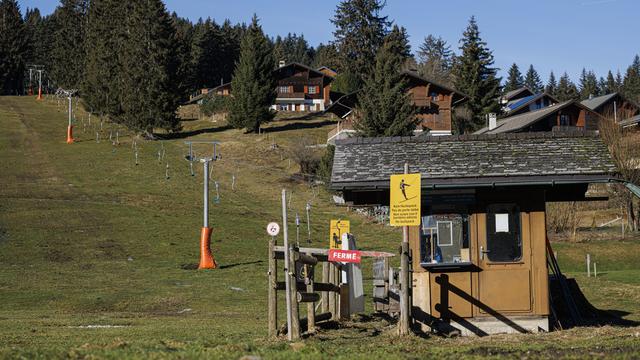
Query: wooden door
[[504, 259]]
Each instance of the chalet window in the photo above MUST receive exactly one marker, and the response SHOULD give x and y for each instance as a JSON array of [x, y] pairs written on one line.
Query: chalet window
[[565, 120], [312, 89], [283, 89], [284, 107], [444, 239], [434, 96], [504, 242]]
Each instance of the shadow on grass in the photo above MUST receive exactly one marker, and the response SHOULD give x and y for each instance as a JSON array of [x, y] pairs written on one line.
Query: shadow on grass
[[298, 126], [194, 266], [187, 134]]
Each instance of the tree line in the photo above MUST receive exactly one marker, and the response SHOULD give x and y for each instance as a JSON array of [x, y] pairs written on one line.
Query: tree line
[[134, 62]]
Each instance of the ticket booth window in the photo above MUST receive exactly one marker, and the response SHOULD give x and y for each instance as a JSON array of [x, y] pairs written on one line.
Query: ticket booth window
[[445, 239], [504, 243]]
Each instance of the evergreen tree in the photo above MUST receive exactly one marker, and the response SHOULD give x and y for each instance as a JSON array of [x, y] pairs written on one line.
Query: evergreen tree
[[205, 54], [476, 77], [253, 81], [567, 90], [186, 76], [13, 48], [552, 85], [602, 86], [619, 81], [532, 80], [68, 49], [398, 41], [101, 87], [514, 79], [631, 84], [384, 107], [611, 85], [435, 60], [326, 55], [588, 84], [148, 95], [360, 31]]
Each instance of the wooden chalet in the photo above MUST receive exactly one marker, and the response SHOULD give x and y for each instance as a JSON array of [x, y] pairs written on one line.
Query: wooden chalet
[[614, 106], [328, 71], [301, 88], [434, 104], [528, 104], [566, 116], [480, 255]]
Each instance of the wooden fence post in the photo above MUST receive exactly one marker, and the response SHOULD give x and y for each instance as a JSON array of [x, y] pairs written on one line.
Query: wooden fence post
[[311, 307], [273, 297], [331, 296], [325, 295], [295, 316]]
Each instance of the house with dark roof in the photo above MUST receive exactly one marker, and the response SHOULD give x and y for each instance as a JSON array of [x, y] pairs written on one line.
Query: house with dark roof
[[328, 71], [613, 105], [568, 115], [434, 105], [479, 262], [528, 103], [301, 88], [516, 94]]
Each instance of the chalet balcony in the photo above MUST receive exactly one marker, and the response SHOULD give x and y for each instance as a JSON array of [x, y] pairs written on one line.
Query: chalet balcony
[[423, 102], [292, 95]]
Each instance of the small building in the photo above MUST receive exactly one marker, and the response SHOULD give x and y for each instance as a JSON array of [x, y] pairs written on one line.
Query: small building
[[515, 95], [434, 105], [301, 88], [528, 104], [221, 90], [328, 71], [480, 254], [613, 105], [566, 116]]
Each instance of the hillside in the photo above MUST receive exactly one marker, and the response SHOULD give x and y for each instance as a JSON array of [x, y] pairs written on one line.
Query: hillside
[[98, 254]]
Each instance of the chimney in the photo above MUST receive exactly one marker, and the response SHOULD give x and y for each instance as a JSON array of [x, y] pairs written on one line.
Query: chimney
[[590, 96], [281, 63], [492, 121]]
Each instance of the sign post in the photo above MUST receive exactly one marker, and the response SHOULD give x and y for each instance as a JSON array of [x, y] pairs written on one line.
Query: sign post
[[404, 207], [336, 229], [273, 229]]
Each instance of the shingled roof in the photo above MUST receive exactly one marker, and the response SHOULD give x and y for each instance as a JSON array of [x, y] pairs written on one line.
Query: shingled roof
[[596, 102], [457, 161]]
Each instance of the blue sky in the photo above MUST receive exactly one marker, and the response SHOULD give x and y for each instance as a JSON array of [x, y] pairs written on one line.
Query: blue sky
[[558, 35]]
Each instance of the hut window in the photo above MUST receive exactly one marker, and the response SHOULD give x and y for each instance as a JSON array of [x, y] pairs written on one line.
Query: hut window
[[283, 89], [565, 120], [445, 239], [312, 89], [504, 243]]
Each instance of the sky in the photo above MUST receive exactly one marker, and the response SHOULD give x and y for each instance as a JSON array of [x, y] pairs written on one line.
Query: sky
[[558, 35]]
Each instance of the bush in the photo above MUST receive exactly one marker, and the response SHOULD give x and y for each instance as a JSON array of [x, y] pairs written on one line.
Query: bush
[[326, 164], [214, 104], [306, 157], [562, 217]]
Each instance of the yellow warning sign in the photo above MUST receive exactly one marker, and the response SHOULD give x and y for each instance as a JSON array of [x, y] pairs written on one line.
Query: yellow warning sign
[[336, 229], [405, 200]]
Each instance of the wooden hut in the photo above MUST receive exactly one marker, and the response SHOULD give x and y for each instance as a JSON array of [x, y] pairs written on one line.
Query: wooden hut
[[479, 258]]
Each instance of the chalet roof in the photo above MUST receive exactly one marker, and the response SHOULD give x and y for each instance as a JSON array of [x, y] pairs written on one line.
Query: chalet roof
[[344, 104], [631, 121], [415, 75], [326, 68], [519, 103], [452, 161], [520, 91], [598, 101], [304, 67], [521, 121]]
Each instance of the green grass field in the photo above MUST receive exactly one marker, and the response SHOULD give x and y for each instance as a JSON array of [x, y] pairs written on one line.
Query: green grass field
[[97, 253]]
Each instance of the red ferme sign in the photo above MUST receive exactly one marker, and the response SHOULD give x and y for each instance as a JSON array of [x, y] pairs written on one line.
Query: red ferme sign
[[346, 256]]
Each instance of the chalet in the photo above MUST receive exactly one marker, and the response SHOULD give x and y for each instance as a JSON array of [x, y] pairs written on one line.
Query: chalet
[[434, 104], [480, 254], [221, 90], [613, 105], [328, 71], [568, 115], [515, 95], [301, 88], [528, 103]]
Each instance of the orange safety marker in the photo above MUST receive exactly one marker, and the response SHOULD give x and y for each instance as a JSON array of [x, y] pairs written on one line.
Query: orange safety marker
[[39, 93], [70, 134], [206, 257]]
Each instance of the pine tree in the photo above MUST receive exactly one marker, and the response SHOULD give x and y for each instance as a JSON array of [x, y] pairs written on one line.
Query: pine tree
[[68, 49], [13, 48], [360, 31], [532, 80], [398, 41], [602, 86], [631, 84], [588, 84], [476, 77], [326, 55], [253, 81], [384, 106], [567, 90], [514, 79], [610, 86], [435, 60], [619, 81], [148, 95], [205, 53], [101, 87], [186, 76], [552, 85]]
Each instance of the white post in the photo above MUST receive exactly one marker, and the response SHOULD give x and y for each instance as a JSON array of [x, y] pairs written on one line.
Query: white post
[[308, 208], [595, 270], [286, 261], [206, 194], [588, 265]]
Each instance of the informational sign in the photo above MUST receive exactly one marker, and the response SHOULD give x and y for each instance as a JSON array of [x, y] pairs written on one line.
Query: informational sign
[[273, 229], [336, 229], [345, 256], [404, 206], [502, 223]]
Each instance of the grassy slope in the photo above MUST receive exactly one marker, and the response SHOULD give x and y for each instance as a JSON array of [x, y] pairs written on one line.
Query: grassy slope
[[89, 238]]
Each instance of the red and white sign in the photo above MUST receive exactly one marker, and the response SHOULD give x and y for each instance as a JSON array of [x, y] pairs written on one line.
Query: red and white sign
[[346, 256]]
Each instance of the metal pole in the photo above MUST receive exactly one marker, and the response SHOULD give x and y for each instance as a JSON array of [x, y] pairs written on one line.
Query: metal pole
[[70, 110], [287, 277], [308, 207], [404, 272], [206, 194]]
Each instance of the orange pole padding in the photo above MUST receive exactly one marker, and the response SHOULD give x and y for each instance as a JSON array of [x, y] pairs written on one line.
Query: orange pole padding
[[70, 134], [39, 94], [206, 258]]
